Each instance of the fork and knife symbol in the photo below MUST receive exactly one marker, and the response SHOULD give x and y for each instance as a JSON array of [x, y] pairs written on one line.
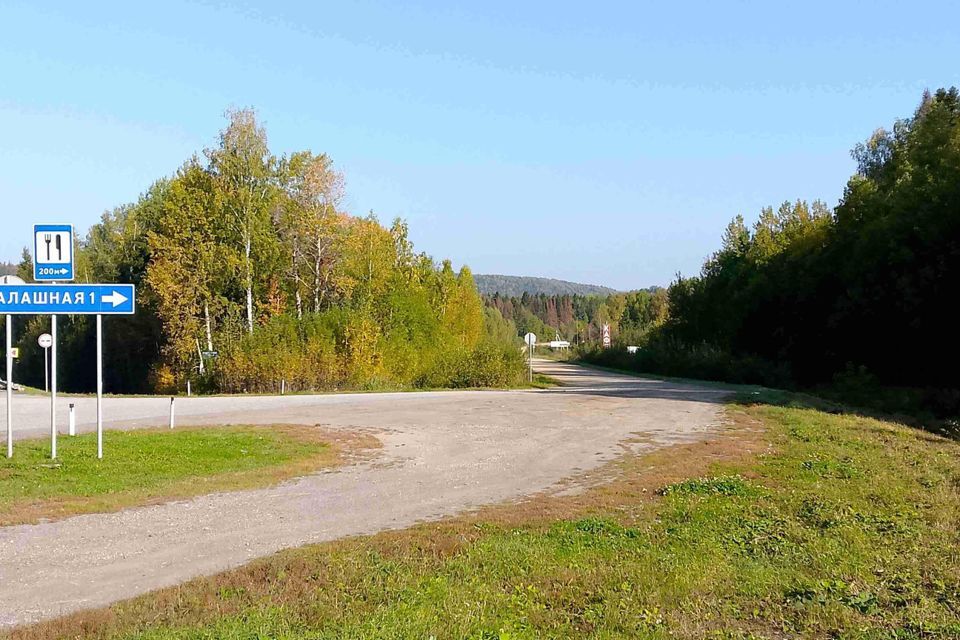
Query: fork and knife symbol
[[48, 238]]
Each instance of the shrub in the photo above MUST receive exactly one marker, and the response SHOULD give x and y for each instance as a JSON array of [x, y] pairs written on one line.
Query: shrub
[[487, 365], [703, 361]]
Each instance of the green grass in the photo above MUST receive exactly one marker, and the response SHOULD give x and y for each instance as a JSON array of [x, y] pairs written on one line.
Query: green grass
[[543, 381], [148, 465], [835, 526]]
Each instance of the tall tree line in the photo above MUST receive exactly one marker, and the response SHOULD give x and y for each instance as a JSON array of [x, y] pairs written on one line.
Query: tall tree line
[[249, 273], [579, 319], [811, 296]]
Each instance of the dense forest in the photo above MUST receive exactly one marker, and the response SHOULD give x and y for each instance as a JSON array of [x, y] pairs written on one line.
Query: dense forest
[[580, 318], [7, 269], [515, 286], [249, 273], [860, 297]]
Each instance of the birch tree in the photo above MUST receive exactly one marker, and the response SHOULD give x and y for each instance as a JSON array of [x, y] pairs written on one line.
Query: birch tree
[[244, 170], [309, 224]]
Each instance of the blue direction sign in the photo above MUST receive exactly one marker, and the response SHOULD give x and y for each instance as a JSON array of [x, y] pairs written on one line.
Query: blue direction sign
[[67, 299], [52, 252]]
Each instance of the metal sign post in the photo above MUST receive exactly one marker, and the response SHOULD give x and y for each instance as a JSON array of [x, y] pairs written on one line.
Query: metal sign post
[[45, 340], [531, 340], [67, 299], [53, 389], [99, 386], [11, 354], [9, 387]]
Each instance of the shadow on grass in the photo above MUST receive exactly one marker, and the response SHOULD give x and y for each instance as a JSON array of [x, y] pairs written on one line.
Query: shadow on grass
[[947, 428], [743, 394]]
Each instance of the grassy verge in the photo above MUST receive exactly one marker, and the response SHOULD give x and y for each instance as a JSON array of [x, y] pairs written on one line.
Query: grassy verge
[[793, 523], [543, 381], [147, 466], [885, 403]]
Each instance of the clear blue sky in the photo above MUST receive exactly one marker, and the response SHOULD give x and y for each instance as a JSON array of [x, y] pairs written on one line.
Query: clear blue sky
[[599, 142]]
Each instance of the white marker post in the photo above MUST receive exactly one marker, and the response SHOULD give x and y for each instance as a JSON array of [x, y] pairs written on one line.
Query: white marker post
[[53, 389], [9, 387], [72, 422], [171, 411], [99, 386]]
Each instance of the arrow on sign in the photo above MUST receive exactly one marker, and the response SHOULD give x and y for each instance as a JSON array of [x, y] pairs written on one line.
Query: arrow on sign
[[115, 298]]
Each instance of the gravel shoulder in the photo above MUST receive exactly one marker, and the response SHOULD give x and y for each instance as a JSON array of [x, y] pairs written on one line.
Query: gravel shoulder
[[443, 453]]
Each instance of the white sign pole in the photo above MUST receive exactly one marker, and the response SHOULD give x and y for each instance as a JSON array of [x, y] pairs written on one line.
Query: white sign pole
[[9, 386], [530, 362], [45, 340], [53, 389], [99, 386], [531, 340]]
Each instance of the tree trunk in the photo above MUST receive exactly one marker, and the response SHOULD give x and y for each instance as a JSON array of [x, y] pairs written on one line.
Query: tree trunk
[[249, 286], [200, 357], [316, 274], [206, 318], [299, 299], [296, 279]]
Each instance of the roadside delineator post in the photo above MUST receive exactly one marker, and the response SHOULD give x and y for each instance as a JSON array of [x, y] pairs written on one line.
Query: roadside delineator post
[[72, 428], [283, 387], [188, 388], [171, 411]]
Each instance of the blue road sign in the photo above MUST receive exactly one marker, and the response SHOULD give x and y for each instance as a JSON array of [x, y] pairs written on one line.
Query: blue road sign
[[52, 252], [67, 299]]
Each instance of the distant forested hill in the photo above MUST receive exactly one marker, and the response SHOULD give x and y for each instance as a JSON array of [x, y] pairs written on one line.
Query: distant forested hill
[[515, 286]]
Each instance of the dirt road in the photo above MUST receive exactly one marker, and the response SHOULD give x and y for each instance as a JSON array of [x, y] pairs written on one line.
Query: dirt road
[[443, 453]]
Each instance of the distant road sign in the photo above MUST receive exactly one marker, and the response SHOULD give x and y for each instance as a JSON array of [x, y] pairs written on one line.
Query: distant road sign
[[45, 340], [15, 352], [210, 354], [530, 339], [606, 335], [67, 299], [52, 252]]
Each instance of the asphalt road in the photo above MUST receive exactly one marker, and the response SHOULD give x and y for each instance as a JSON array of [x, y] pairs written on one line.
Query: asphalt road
[[443, 453]]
